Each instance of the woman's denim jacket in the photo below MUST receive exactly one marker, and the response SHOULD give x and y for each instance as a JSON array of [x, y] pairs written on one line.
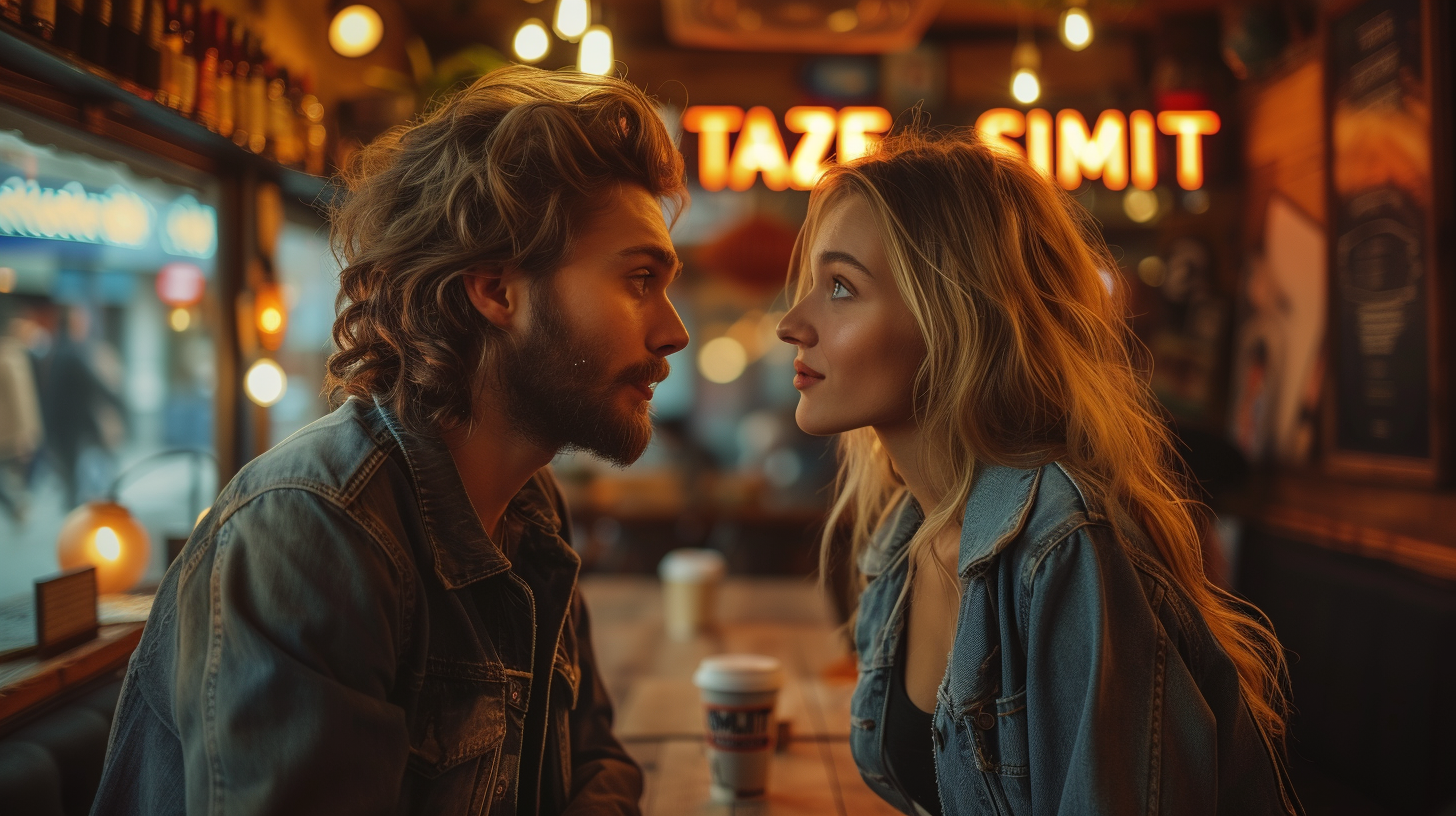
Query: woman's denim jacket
[[340, 636], [1082, 680]]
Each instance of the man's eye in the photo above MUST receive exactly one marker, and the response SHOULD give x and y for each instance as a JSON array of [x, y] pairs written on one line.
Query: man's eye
[[839, 291]]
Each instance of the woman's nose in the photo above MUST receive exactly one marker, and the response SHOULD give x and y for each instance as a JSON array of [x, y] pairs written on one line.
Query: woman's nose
[[794, 329]]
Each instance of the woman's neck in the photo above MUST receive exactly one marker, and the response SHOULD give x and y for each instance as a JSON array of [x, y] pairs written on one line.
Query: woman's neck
[[903, 442]]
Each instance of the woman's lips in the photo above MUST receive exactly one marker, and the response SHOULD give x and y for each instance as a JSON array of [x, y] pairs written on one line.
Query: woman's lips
[[805, 376]]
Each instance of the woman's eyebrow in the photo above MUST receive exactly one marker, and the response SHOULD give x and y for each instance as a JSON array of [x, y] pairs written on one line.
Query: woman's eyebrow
[[835, 256]]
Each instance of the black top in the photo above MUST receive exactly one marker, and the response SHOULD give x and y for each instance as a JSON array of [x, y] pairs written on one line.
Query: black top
[[908, 746]]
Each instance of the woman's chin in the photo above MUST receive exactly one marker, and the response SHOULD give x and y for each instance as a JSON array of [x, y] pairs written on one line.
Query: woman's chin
[[817, 423]]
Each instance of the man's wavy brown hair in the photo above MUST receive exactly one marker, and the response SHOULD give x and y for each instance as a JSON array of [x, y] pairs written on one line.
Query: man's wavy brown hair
[[499, 176]]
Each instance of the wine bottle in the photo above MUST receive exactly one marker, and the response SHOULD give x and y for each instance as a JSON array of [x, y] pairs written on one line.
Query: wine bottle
[[187, 62], [207, 70], [257, 98], [40, 19], [95, 30], [68, 25], [226, 106], [315, 136], [242, 118], [126, 35], [280, 123], [170, 92], [149, 51]]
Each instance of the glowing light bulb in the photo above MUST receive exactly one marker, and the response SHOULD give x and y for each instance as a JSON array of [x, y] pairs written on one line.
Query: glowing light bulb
[[722, 360], [572, 19], [594, 55], [532, 42], [1025, 87], [1076, 28], [108, 546], [355, 31], [270, 320], [265, 382]]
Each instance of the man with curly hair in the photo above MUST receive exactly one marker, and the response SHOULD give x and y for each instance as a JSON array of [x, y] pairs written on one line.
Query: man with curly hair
[[380, 614]]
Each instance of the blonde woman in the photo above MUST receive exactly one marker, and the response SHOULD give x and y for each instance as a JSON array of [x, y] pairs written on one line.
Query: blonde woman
[[1035, 633]]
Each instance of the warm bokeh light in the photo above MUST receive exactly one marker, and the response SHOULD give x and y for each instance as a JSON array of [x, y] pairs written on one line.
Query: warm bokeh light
[[722, 360], [355, 31], [1097, 154], [105, 535], [572, 19], [270, 320], [1152, 271], [858, 131], [265, 382], [842, 21], [270, 315], [1144, 149], [760, 150], [1025, 87], [594, 55], [1140, 205], [7, 280], [179, 319], [712, 123], [1075, 28], [532, 42], [1190, 127], [818, 126]]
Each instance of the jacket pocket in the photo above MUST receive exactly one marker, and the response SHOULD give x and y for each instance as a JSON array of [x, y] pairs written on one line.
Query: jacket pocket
[[456, 720], [1003, 752]]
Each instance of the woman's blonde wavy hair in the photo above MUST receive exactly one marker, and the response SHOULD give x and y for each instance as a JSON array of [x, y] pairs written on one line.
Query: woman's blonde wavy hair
[[1029, 360]]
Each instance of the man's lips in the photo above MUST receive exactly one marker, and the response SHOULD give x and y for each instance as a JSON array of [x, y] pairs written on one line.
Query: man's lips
[[805, 376]]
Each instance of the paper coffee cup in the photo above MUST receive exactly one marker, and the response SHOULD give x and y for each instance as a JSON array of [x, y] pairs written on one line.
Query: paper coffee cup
[[690, 579], [739, 692]]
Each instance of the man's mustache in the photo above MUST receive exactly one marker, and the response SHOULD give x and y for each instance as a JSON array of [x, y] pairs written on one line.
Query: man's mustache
[[650, 371]]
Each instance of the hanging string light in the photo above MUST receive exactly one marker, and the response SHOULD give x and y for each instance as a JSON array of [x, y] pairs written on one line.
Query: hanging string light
[[1075, 27], [1025, 63], [594, 55], [532, 42], [572, 19]]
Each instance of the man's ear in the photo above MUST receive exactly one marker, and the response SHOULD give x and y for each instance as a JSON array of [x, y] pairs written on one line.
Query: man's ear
[[498, 294]]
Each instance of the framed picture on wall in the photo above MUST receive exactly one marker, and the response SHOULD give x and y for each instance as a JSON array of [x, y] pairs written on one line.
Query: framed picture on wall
[[1386, 83]]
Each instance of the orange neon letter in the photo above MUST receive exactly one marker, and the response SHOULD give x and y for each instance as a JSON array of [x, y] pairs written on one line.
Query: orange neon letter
[[712, 123], [1144, 150], [1039, 140], [1099, 154], [807, 163], [855, 127], [760, 149], [1189, 127], [997, 125]]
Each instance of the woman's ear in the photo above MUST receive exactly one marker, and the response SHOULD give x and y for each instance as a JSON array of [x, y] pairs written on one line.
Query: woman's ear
[[497, 294]]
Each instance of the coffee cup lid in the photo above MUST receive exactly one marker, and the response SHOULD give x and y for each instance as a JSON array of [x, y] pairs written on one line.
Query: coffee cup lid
[[689, 564], [739, 672]]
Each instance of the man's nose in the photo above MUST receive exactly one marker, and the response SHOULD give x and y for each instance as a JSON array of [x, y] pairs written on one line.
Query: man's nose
[[671, 336]]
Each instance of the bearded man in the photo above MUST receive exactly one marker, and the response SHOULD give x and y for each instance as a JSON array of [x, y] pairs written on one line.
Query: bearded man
[[380, 614]]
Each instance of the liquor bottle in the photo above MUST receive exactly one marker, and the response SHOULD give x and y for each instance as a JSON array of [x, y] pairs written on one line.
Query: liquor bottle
[[257, 98], [126, 36], [149, 52], [169, 92], [95, 30], [242, 120], [226, 106], [187, 62], [40, 19], [315, 136], [68, 25], [207, 70], [280, 118]]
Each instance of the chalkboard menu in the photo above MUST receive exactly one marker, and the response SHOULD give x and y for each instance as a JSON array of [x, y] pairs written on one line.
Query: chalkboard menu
[[1382, 252]]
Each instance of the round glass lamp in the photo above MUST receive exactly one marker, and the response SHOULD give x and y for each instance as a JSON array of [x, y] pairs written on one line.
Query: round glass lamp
[[105, 535]]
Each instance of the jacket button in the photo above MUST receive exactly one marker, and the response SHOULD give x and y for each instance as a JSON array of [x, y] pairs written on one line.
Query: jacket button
[[515, 695], [500, 789]]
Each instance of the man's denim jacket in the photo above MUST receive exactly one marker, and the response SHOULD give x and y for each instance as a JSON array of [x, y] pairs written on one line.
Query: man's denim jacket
[[1082, 680], [341, 636]]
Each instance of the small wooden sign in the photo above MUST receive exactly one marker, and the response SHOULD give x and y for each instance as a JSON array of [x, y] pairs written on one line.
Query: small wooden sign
[[65, 610]]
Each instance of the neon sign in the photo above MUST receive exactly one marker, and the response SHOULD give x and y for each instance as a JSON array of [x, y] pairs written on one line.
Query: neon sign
[[117, 217], [1117, 149], [760, 148]]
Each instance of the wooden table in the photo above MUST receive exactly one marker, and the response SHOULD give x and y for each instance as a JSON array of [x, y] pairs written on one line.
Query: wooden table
[[660, 719]]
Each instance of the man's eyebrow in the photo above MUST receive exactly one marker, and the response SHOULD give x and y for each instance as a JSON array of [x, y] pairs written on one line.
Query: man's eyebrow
[[834, 256], [656, 252]]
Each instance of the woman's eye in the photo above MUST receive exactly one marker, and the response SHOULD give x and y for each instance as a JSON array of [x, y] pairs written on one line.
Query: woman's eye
[[640, 281], [838, 291]]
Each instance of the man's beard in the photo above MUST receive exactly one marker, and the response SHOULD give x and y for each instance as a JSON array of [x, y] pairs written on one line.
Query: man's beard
[[560, 395]]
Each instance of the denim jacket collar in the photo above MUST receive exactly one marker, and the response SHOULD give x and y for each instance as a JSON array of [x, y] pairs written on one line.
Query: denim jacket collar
[[996, 511], [463, 551]]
